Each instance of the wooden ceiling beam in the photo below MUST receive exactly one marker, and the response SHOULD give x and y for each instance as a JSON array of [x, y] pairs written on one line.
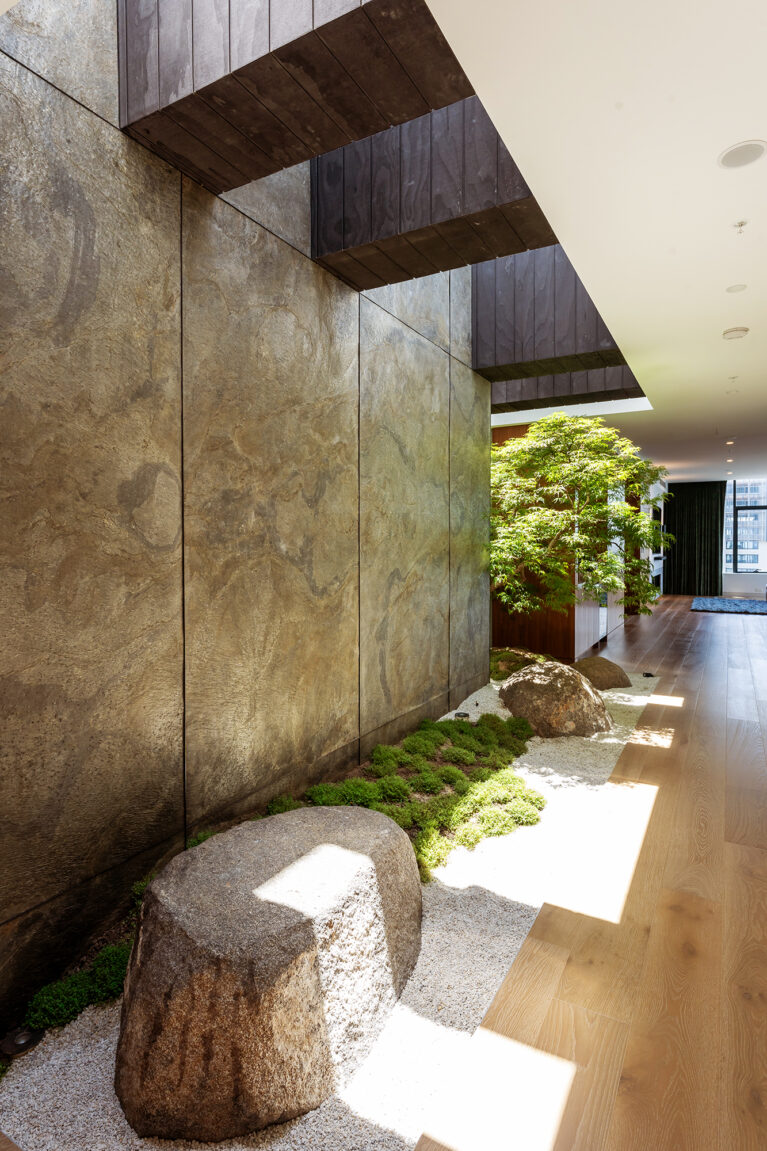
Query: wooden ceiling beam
[[566, 388], [438, 192], [534, 319], [232, 90]]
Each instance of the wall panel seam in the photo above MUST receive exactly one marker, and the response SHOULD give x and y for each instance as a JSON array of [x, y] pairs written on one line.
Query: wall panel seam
[[404, 714], [183, 501], [146, 148], [359, 524], [449, 482], [399, 320], [68, 95], [89, 879]]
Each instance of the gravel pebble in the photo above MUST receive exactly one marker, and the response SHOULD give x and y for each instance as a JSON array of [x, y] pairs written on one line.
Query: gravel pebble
[[477, 913]]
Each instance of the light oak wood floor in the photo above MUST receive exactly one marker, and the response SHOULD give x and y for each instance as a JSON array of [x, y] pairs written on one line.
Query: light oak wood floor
[[658, 1022]]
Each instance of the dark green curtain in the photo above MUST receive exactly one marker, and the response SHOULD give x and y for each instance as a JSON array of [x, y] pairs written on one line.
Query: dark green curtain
[[695, 516]]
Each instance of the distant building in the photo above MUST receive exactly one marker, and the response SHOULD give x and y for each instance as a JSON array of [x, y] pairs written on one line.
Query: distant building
[[750, 555]]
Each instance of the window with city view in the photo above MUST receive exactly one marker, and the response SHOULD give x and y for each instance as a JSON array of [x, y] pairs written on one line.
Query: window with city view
[[745, 526]]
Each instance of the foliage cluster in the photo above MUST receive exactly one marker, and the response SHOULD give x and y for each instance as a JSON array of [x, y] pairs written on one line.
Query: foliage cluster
[[566, 520], [60, 1002]]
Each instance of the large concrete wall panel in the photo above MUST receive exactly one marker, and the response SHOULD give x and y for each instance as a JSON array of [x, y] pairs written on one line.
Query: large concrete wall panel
[[72, 44], [270, 431], [469, 532], [281, 203], [422, 304], [404, 525], [90, 515]]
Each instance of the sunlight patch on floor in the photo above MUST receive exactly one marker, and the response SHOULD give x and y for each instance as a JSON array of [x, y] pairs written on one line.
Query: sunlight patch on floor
[[645, 737]]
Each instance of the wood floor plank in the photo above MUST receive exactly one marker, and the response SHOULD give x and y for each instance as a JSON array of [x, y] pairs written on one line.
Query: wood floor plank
[[744, 1000], [669, 1094], [520, 1005], [745, 818], [605, 959], [597, 1045], [696, 850]]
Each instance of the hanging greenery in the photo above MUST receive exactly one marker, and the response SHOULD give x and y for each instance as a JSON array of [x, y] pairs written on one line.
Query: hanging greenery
[[567, 522]]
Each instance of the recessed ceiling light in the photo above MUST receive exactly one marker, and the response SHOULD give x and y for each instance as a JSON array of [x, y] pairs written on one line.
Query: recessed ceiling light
[[734, 334], [729, 473], [729, 443], [729, 461], [736, 288], [741, 154]]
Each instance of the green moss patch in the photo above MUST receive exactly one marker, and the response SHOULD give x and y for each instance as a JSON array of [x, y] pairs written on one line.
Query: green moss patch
[[61, 1002], [447, 784], [504, 661]]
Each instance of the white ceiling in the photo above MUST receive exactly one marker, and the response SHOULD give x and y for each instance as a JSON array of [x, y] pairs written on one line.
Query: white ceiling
[[616, 112]]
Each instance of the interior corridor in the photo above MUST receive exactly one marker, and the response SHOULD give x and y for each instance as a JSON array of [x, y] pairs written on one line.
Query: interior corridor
[[657, 1022]]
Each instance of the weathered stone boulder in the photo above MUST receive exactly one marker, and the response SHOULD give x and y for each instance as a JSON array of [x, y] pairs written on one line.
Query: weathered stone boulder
[[265, 963], [602, 673], [555, 700]]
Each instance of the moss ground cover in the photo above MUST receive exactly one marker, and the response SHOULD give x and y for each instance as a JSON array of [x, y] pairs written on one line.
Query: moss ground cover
[[60, 1002], [504, 661], [447, 784]]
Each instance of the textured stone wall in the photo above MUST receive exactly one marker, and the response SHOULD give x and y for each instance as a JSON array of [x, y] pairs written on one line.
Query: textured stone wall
[[404, 525], [243, 508], [271, 495]]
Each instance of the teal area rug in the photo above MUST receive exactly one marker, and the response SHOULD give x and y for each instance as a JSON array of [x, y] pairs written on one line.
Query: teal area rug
[[721, 603]]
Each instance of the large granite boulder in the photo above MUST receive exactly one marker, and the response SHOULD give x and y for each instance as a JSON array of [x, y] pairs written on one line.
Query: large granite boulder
[[265, 963], [602, 673], [555, 700]]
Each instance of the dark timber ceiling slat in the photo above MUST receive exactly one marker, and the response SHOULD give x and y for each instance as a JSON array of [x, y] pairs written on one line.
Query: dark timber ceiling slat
[[533, 318], [301, 116], [266, 131], [385, 184], [565, 388], [417, 42], [433, 183], [358, 45], [286, 79]]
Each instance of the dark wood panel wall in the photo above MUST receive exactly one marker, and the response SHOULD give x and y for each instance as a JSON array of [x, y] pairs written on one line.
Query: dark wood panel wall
[[438, 192], [548, 632], [232, 90], [532, 317], [618, 383]]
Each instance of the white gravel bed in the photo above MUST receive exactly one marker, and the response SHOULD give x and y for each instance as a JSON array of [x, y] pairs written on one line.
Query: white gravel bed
[[477, 912]]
